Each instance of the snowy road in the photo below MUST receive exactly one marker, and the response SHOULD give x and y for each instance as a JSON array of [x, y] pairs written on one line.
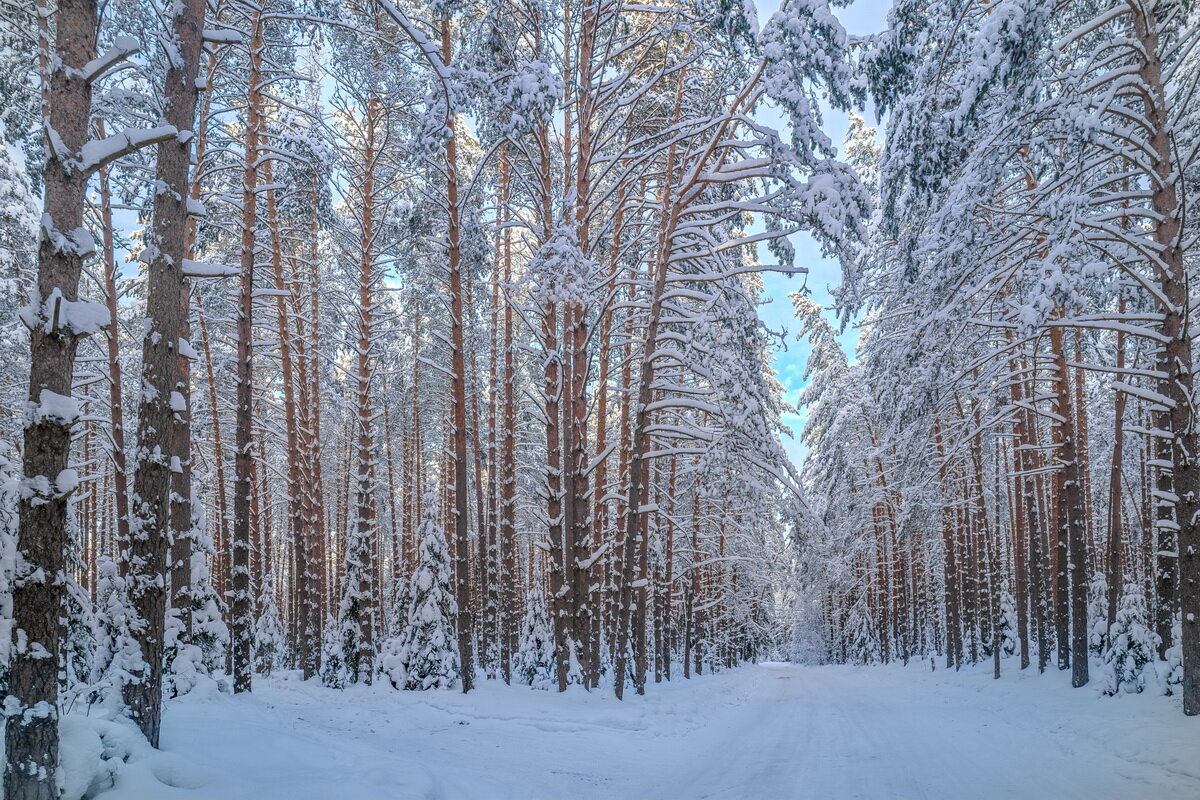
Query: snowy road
[[846, 733], [771, 731]]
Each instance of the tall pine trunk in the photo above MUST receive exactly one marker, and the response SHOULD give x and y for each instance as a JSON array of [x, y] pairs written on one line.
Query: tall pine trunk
[[31, 739], [162, 408], [241, 606]]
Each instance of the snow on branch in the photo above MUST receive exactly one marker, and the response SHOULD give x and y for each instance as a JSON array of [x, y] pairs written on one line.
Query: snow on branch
[[204, 269], [1148, 395], [99, 153], [427, 47], [122, 48], [222, 36]]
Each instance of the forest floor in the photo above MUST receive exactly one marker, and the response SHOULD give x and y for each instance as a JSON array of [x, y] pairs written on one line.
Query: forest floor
[[769, 731]]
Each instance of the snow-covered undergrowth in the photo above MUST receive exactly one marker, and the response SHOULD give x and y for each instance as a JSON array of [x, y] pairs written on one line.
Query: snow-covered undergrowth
[[778, 731]]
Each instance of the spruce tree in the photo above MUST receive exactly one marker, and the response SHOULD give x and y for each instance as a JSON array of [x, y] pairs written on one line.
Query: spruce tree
[[116, 649], [197, 651], [1009, 639], [1133, 645], [78, 670], [209, 632], [1173, 669], [533, 663], [1097, 615], [425, 654], [270, 643], [333, 662]]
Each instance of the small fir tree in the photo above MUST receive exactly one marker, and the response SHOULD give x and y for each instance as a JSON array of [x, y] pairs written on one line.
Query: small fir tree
[[117, 652], [1097, 615], [199, 654], [425, 655], [270, 643], [1009, 641], [533, 663], [209, 632], [864, 644], [1173, 669], [401, 604], [333, 663], [79, 672], [1132, 647]]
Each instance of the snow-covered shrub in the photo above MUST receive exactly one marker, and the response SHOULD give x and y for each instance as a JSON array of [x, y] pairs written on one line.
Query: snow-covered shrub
[[1132, 646], [96, 750], [425, 654], [533, 663]]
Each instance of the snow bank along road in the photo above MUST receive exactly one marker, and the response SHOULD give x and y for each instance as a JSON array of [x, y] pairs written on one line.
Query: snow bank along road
[[771, 731]]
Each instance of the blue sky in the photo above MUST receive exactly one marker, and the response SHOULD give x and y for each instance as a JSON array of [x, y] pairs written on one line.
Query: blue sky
[[862, 17]]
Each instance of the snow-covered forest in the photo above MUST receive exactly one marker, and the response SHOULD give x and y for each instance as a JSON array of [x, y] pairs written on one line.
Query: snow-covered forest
[[373, 369]]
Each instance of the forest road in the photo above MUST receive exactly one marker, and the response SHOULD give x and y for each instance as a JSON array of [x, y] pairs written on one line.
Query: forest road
[[765, 732], [845, 732]]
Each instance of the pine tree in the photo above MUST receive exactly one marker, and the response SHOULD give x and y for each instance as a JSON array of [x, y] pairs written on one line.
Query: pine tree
[[425, 654]]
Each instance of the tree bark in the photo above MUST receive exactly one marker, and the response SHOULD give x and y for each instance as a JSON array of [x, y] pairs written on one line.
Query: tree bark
[[31, 731], [241, 606], [1072, 564], [1178, 492], [1115, 475], [458, 400], [164, 393], [116, 400]]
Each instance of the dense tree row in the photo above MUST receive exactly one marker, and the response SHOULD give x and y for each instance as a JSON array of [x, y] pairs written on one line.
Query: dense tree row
[[1008, 466], [410, 340]]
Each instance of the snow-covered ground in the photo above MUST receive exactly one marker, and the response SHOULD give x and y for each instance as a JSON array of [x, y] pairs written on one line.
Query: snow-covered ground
[[771, 731]]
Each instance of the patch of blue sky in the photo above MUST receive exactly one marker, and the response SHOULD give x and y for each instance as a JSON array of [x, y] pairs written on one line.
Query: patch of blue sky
[[861, 18]]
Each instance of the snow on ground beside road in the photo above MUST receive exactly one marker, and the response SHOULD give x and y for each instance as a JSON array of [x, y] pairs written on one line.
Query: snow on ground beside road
[[771, 731]]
